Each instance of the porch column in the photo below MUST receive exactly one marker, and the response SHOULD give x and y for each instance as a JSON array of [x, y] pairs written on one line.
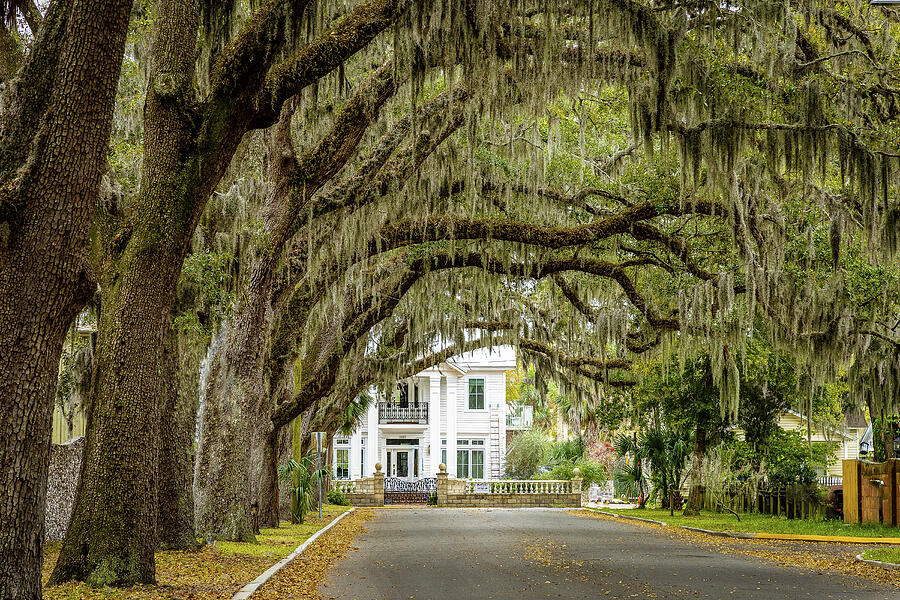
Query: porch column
[[434, 424], [452, 409], [372, 439], [356, 468]]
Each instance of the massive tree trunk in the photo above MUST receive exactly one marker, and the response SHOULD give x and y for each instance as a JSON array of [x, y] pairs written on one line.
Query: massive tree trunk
[[176, 453], [113, 536], [695, 499], [234, 425], [54, 137], [277, 448], [268, 482]]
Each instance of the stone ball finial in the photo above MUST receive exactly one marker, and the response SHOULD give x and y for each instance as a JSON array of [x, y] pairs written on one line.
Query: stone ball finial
[[378, 467], [442, 468], [576, 473]]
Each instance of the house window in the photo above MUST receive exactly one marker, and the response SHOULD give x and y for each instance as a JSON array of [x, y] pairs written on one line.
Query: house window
[[476, 394], [444, 451], [362, 455], [342, 463], [403, 394], [470, 459]]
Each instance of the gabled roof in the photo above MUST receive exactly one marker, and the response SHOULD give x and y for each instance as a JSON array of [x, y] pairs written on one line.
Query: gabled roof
[[493, 358], [856, 419]]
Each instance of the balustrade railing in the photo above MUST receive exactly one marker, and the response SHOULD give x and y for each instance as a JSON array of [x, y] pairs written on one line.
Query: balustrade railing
[[520, 417], [343, 486], [393, 413], [520, 486]]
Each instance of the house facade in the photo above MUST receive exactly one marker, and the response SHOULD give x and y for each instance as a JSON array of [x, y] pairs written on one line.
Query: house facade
[[454, 413], [846, 437]]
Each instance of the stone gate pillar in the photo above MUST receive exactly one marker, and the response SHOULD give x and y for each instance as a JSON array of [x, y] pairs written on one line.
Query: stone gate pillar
[[442, 485], [379, 485]]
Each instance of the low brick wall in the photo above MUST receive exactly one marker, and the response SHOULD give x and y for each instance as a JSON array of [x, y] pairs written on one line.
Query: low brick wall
[[452, 492], [65, 469], [514, 500], [364, 500]]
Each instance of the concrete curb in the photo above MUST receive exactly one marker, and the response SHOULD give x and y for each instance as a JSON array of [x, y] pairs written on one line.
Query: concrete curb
[[729, 534], [629, 518], [251, 587], [788, 537], [877, 563]]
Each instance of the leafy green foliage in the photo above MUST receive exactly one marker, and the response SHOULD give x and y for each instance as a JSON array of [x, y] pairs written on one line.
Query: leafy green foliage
[[303, 477], [206, 275], [592, 471], [528, 451], [337, 498]]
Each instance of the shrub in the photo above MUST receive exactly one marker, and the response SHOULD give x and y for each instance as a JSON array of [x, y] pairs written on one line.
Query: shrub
[[527, 452], [337, 497], [592, 471], [567, 451]]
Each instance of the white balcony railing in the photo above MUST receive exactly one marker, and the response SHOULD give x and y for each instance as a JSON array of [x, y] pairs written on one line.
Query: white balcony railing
[[393, 413], [520, 417]]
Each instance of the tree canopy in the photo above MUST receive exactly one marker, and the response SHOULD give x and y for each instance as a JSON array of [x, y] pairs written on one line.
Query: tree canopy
[[269, 207]]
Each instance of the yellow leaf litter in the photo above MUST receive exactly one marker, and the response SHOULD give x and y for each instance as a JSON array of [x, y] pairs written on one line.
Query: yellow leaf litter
[[817, 557], [301, 578]]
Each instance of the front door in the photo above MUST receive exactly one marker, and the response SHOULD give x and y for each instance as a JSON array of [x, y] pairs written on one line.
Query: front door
[[399, 463]]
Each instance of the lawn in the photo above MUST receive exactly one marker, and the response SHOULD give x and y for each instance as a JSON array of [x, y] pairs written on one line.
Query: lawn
[[756, 523], [216, 571], [890, 555]]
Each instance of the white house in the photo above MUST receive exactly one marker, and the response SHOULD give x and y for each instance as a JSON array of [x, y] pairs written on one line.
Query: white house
[[454, 413]]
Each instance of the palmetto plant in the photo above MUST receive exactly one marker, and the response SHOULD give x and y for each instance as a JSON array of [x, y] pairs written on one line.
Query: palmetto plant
[[630, 477], [657, 462], [303, 476]]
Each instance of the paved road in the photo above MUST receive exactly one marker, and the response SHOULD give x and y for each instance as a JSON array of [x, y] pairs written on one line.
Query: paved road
[[432, 554]]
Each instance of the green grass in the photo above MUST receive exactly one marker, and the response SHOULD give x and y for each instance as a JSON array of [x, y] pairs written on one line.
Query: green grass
[[756, 523], [213, 572], [890, 555], [280, 542]]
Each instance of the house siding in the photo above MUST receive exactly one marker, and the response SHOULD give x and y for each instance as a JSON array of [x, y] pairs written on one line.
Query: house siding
[[488, 424]]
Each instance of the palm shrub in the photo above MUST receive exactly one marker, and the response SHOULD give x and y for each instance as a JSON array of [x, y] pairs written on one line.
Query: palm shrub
[[304, 477], [629, 477], [567, 451]]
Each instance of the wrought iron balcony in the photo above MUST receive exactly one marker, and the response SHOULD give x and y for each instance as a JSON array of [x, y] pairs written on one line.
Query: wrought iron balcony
[[394, 413]]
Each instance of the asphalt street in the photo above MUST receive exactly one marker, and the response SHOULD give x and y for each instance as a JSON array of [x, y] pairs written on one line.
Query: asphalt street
[[436, 554]]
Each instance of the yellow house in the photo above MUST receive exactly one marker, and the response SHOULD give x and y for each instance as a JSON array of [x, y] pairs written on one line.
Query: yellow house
[[62, 433], [847, 436]]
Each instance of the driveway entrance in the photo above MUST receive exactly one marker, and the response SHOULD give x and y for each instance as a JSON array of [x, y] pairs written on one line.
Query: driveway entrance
[[523, 554]]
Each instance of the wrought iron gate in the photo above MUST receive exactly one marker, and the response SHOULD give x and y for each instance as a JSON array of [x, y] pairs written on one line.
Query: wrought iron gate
[[403, 491]]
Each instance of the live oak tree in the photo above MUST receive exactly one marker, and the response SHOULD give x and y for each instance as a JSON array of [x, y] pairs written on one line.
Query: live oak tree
[[669, 214], [58, 95], [188, 142]]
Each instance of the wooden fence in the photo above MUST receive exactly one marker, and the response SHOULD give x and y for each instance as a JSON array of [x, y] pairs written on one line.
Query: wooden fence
[[794, 500]]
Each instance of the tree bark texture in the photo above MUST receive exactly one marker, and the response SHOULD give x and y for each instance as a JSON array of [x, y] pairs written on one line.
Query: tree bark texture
[[695, 499], [175, 519], [268, 483], [113, 535], [234, 425], [53, 142]]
